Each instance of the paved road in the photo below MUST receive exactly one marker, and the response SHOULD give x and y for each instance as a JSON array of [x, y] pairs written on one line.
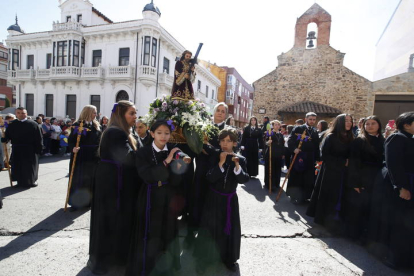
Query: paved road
[[38, 238]]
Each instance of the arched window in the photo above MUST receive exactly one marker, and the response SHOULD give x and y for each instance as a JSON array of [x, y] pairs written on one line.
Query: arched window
[[312, 35], [122, 95]]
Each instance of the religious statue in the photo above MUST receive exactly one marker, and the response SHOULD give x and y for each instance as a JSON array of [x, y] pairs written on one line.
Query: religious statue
[[184, 76]]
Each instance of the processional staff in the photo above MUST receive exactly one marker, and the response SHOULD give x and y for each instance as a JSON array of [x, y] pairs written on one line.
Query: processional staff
[[80, 130], [303, 138]]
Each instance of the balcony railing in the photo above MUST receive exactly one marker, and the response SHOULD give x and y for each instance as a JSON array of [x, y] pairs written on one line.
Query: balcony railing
[[165, 79], [229, 100], [78, 73], [66, 72], [21, 75], [76, 26], [147, 70], [120, 72], [92, 72], [43, 74]]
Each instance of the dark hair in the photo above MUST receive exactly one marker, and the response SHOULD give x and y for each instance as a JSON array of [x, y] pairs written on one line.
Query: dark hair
[[250, 121], [300, 121], [38, 117], [405, 118], [101, 121], [338, 129], [284, 126], [118, 120], [183, 55], [364, 133], [159, 123], [231, 132], [289, 128], [324, 125], [20, 108]]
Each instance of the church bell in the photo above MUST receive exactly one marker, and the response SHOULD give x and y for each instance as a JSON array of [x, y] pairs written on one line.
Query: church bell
[[311, 37]]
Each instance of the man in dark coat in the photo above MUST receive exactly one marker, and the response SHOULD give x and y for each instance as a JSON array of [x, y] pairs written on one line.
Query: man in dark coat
[[302, 176], [183, 80], [26, 139]]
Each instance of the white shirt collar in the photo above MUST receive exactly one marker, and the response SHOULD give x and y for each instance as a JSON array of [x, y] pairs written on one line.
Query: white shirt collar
[[25, 119], [142, 138], [219, 124], [308, 126], [157, 149]]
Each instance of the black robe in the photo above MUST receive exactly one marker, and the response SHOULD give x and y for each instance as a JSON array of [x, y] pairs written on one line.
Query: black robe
[[155, 248], [86, 163], [219, 234], [399, 173], [252, 141], [326, 204], [115, 193], [200, 187], [27, 141], [278, 151], [365, 163], [302, 175]]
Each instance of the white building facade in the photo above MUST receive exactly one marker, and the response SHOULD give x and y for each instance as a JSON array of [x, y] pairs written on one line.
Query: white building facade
[[88, 59], [395, 48]]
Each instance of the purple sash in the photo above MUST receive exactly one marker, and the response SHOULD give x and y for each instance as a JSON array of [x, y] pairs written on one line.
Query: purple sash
[[228, 220]]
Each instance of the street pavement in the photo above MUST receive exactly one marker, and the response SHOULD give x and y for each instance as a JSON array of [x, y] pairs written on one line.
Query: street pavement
[[38, 238]]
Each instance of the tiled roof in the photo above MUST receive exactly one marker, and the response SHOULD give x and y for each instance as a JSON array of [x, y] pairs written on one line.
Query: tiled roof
[[308, 106], [102, 15]]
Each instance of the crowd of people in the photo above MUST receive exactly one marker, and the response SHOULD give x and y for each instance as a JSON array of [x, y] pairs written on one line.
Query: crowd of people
[[356, 180]]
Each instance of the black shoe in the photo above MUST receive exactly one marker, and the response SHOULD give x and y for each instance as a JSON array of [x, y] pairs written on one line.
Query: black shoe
[[95, 269], [390, 263], [33, 185], [232, 267], [73, 209]]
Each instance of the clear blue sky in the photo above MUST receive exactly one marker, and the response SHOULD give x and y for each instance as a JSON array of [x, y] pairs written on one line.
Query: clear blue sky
[[247, 35]]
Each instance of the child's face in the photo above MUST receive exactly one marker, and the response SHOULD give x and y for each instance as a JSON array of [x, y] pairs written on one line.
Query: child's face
[[227, 144], [161, 136]]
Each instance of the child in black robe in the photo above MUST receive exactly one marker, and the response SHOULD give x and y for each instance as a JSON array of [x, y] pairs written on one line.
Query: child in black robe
[[115, 192], [219, 234], [155, 248]]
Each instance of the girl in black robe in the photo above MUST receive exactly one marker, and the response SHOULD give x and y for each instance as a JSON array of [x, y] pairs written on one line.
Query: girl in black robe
[[277, 141], [219, 235], [155, 248], [326, 205], [115, 192], [251, 143], [365, 163], [87, 158], [399, 176]]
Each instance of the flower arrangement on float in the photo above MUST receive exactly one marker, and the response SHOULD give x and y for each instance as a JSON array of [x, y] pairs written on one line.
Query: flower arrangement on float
[[191, 123]]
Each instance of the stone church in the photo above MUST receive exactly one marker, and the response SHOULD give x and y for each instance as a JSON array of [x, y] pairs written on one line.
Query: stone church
[[312, 78]]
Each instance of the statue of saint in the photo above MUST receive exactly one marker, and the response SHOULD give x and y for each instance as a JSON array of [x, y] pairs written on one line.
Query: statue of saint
[[183, 78]]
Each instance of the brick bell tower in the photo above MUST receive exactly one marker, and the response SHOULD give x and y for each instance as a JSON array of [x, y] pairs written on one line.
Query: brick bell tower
[[315, 14]]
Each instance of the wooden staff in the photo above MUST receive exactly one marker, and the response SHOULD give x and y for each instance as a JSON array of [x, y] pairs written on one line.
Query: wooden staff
[[270, 167], [5, 152], [302, 138], [80, 130]]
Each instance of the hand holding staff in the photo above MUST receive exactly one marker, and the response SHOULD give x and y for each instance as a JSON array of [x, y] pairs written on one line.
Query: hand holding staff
[[79, 130], [2, 125], [303, 137]]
